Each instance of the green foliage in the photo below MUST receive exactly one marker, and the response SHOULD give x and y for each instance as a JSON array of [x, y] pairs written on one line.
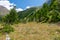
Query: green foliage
[[0, 18], [57, 38], [12, 17], [47, 13], [7, 29], [25, 15]]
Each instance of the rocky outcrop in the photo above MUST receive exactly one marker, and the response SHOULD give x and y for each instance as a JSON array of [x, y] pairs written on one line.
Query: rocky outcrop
[[3, 11]]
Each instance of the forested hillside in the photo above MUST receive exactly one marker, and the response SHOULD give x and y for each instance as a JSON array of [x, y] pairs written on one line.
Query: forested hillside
[[46, 13], [49, 12], [26, 14]]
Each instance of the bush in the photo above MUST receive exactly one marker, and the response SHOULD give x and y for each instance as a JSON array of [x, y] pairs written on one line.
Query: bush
[[7, 29], [57, 38], [12, 17]]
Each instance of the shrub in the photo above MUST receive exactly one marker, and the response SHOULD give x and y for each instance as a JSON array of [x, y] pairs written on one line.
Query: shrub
[[7, 29], [12, 17], [57, 38]]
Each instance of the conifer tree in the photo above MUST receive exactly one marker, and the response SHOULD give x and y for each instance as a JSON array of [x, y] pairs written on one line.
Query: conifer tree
[[12, 17]]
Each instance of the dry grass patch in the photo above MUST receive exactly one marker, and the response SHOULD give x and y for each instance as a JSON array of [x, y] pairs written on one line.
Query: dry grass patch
[[35, 31]]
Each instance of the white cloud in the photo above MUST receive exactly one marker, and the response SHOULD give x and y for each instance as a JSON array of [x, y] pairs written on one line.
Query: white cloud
[[19, 9], [3, 0], [9, 5], [27, 7], [6, 4]]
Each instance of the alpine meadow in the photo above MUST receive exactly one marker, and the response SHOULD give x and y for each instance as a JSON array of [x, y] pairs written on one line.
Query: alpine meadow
[[34, 23]]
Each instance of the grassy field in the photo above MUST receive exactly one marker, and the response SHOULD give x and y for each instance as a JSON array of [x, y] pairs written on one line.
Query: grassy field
[[34, 31]]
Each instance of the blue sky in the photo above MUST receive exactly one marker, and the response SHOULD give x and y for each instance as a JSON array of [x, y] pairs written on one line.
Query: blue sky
[[24, 3]]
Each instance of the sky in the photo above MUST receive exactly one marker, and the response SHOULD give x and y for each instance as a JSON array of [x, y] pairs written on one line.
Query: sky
[[21, 4], [26, 3]]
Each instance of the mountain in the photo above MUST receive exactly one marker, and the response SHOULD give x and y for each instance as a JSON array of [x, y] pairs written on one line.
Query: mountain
[[46, 13], [3, 11], [26, 14]]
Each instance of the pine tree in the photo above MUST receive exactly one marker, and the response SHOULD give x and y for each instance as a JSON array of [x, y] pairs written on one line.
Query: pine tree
[[12, 17]]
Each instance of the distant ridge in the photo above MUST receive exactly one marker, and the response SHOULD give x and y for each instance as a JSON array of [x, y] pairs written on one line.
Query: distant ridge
[[3, 11]]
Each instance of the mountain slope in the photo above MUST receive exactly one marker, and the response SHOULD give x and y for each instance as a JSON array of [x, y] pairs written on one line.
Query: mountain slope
[[3, 11], [27, 13], [46, 13]]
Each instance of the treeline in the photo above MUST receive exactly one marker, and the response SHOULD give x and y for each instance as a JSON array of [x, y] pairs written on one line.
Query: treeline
[[47, 13]]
